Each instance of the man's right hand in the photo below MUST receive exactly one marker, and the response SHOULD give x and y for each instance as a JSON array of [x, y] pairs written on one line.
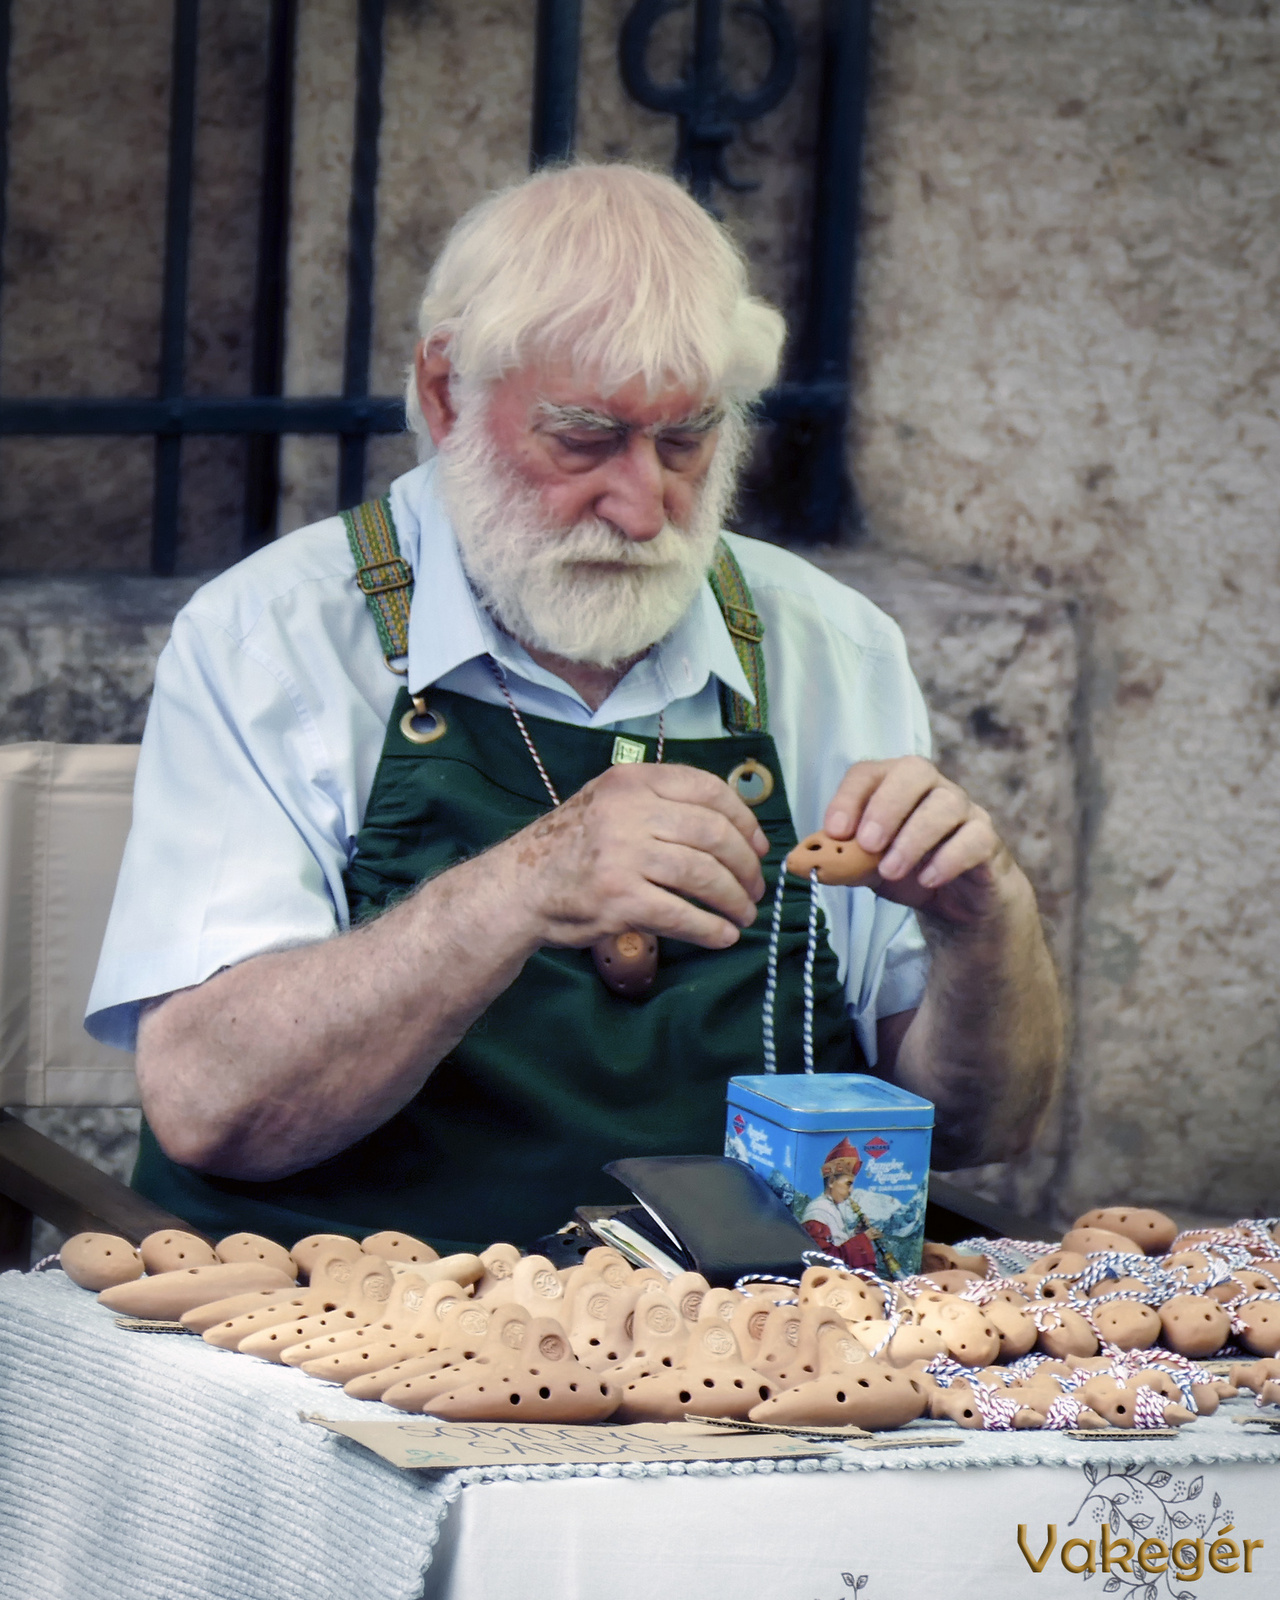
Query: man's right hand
[[634, 849]]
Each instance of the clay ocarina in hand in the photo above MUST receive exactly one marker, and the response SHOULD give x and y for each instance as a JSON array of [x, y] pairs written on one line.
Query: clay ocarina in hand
[[626, 962], [838, 861]]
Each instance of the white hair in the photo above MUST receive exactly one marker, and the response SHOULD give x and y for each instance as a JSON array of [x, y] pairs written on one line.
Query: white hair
[[613, 268]]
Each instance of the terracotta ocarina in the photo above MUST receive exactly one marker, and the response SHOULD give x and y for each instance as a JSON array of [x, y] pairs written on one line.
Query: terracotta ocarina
[[100, 1260], [838, 861], [536, 1285], [958, 1404], [231, 1326], [969, 1337], [1151, 1231], [499, 1262], [720, 1305], [1261, 1330], [364, 1303], [254, 1247], [940, 1257], [607, 1263], [546, 1385], [953, 1279], [839, 1351], [1064, 1263], [330, 1245], [1245, 1280], [1196, 1326], [397, 1320], [204, 1317], [599, 1334], [1253, 1374], [1117, 1404], [801, 1363], [170, 1250], [627, 962], [167, 1295], [1014, 1326], [1195, 1265], [399, 1247], [748, 1325], [687, 1289], [454, 1348], [1070, 1335], [872, 1396], [1269, 1393], [414, 1382], [909, 1345], [712, 1381], [854, 1298], [1114, 1285], [1128, 1324], [1089, 1241]]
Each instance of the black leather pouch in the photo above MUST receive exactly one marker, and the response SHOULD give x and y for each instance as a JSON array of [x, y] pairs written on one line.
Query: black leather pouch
[[725, 1217]]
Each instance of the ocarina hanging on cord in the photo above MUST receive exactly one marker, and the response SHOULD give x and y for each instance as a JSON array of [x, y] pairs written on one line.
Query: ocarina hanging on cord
[[838, 861], [627, 962]]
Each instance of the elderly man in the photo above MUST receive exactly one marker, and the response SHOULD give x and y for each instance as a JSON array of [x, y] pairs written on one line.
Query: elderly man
[[354, 927]]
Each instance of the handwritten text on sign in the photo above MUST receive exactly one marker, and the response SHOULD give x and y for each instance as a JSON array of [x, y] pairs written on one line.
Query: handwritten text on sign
[[482, 1444]]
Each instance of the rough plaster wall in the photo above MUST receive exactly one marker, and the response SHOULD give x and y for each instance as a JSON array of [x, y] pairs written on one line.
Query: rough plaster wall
[[82, 266], [1069, 314]]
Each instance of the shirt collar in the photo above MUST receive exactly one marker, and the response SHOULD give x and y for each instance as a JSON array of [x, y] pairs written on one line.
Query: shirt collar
[[447, 627]]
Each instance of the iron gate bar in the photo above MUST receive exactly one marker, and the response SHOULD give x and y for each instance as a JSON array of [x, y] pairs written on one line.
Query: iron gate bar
[[262, 454], [825, 348], [6, 36], [361, 227], [177, 262], [558, 46]]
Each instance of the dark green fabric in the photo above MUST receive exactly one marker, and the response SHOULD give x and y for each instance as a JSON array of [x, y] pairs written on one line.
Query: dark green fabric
[[560, 1075]]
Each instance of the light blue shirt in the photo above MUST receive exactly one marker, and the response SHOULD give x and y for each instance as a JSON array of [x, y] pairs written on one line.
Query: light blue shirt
[[271, 703]]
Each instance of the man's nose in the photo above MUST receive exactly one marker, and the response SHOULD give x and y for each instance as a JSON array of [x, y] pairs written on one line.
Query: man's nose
[[633, 498]]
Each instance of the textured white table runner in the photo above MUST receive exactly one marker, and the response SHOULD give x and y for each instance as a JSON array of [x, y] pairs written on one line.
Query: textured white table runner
[[155, 1467]]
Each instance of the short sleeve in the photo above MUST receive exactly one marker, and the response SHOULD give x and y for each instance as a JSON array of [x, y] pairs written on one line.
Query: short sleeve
[[238, 840]]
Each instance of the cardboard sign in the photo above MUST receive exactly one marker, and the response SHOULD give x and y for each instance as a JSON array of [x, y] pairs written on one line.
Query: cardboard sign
[[426, 1443]]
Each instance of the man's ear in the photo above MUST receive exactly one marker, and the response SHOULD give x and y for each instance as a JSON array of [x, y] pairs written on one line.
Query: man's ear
[[433, 372]]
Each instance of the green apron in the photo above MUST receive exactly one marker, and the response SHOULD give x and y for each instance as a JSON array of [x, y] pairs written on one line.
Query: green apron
[[560, 1074]]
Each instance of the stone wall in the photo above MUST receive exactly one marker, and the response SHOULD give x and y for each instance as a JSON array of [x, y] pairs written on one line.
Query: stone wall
[[1069, 314]]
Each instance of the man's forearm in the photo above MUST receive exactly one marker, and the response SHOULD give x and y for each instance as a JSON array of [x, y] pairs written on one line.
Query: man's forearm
[[284, 1060], [986, 1045]]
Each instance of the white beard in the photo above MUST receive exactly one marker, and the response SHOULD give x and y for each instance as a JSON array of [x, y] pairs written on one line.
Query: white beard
[[584, 593]]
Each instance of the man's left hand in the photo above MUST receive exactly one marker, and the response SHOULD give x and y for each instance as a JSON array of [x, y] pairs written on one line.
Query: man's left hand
[[941, 855]]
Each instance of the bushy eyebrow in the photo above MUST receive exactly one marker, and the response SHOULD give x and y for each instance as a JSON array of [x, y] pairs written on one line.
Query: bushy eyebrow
[[558, 416]]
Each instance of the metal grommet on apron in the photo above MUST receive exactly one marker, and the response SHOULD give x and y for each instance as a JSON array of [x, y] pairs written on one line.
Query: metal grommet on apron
[[434, 726], [751, 781]]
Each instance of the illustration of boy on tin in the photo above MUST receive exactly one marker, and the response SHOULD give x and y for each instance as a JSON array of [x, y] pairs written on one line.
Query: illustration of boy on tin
[[836, 1220]]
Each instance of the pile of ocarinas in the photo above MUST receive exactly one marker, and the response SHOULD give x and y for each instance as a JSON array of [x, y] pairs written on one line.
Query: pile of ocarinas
[[1105, 1329]]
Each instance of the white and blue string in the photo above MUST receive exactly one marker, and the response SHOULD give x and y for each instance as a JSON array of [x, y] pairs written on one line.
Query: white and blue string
[[771, 973]]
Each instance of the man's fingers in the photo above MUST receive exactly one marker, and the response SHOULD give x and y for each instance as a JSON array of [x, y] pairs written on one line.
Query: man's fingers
[[971, 846], [691, 872], [692, 786], [856, 787], [936, 818], [709, 833]]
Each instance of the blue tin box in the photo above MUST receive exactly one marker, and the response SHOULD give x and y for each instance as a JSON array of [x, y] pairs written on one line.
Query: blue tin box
[[848, 1153]]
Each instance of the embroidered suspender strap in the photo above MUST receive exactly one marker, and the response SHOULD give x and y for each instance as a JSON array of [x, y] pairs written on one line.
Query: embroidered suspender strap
[[383, 576], [385, 579], [746, 629]]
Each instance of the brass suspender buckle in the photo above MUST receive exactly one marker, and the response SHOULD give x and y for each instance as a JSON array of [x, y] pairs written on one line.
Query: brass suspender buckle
[[743, 622], [401, 576]]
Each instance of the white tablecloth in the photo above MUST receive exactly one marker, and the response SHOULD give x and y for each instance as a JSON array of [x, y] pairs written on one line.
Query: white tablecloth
[[155, 1467]]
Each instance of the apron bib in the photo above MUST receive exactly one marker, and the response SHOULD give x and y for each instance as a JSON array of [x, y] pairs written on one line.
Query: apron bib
[[559, 1075]]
